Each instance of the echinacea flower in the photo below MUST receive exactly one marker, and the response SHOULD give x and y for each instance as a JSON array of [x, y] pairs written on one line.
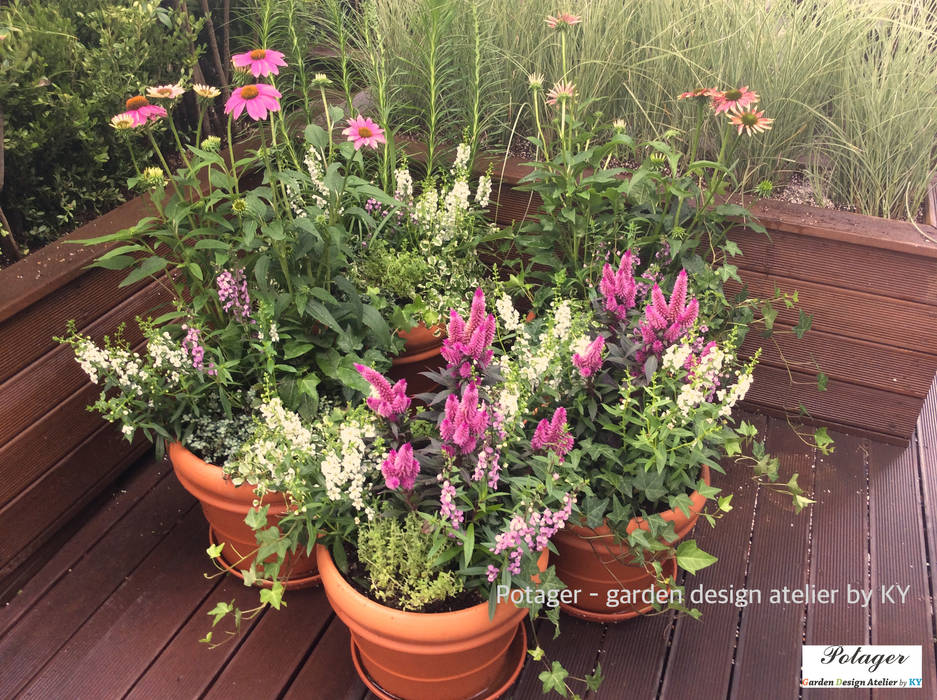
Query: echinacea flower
[[363, 132], [122, 121], [750, 121], [259, 62], [320, 80], [535, 80], [141, 111], [561, 92], [698, 93], [206, 91], [736, 99], [166, 92], [562, 20], [257, 98]]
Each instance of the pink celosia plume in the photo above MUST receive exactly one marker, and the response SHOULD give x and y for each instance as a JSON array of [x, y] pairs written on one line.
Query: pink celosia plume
[[619, 287], [391, 402], [464, 422], [400, 468], [469, 343], [590, 362], [553, 434], [665, 323]]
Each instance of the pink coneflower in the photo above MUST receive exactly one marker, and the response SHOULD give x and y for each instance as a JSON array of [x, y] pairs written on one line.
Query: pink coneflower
[[739, 98], [364, 132], [562, 20], [561, 92], [257, 98], [141, 111], [698, 93], [750, 121], [165, 92], [259, 62]]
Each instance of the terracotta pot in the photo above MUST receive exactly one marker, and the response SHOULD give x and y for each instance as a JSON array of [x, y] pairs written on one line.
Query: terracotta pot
[[609, 587], [225, 506], [429, 656], [422, 352]]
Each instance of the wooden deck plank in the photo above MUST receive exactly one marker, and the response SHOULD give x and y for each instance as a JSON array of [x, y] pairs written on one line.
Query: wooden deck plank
[[117, 644], [186, 668], [125, 494], [898, 557], [265, 663], [576, 648], [778, 559], [329, 671], [62, 610], [927, 456], [838, 555], [633, 656], [713, 637]]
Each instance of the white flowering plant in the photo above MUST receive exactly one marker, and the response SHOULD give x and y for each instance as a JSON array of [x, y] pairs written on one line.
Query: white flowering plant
[[648, 395], [422, 251]]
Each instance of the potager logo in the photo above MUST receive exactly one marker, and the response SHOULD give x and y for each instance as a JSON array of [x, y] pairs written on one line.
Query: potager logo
[[864, 666]]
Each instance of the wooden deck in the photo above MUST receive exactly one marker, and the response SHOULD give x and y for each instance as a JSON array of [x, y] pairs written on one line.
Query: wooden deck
[[118, 609]]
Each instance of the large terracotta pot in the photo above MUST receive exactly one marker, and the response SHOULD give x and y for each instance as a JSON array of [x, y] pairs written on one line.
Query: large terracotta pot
[[422, 352], [225, 506], [429, 656], [609, 587]]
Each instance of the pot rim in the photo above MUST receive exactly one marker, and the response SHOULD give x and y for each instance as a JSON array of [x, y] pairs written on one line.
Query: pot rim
[[400, 629]]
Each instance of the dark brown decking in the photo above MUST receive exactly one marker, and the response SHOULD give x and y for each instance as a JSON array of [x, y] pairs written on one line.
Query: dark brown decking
[[118, 610]]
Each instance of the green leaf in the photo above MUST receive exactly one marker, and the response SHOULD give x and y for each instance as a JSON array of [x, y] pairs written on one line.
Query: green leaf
[[554, 679], [295, 349], [691, 558], [594, 680], [148, 267], [822, 381], [215, 550], [272, 596], [468, 544], [803, 324], [256, 518], [219, 611], [823, 441]]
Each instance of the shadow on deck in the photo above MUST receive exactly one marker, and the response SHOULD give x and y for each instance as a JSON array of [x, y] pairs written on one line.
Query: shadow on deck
[[118, 610]]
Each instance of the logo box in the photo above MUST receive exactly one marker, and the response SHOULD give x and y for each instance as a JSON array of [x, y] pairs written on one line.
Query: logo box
[[861, 666]]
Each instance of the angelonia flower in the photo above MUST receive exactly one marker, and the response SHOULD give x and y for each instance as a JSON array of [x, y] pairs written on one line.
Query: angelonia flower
[[553, 435], [738, 98], [362, 131], [258, 99], [403, 185], [447, 507], [749, 121], [483, 192], [664, 324], [259, 62], [464, 422], [192, 345], [488, 467], [233, 294], [590, 362], [561, 92], [562, 20], [389, 402], [205, 91], [141, 111], [166, 92], [532, 533], [618, 286], [493, 572], [400, 468], [468, 343]]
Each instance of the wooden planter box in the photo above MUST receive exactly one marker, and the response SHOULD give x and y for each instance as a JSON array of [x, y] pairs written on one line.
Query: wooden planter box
[[871, 286], [55, 456]]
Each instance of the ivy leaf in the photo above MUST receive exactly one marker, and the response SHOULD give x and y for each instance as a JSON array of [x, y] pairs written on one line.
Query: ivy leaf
[[731, 247], [536, 654], [803, 324], [594, 680], [215, 550], [250, 576], [219, 611], [823, 440], [256, 518], [273, 596], [691, 558], [769, 313], [554, 679], [822, 381]]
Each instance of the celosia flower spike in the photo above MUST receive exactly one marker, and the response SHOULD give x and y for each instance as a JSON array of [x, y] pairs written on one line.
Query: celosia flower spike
[[468, 343], [464, 422], [391, 402], [400, 468], [665, 323], [619, 287], [591, 361], [553, 435]]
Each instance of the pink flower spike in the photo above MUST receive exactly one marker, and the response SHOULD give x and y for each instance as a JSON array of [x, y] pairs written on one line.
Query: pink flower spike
[[364, 132], [260, 62], [591, 362], [553, 435], [400, 468], [391, 402], [140, 111], [258, 99]]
